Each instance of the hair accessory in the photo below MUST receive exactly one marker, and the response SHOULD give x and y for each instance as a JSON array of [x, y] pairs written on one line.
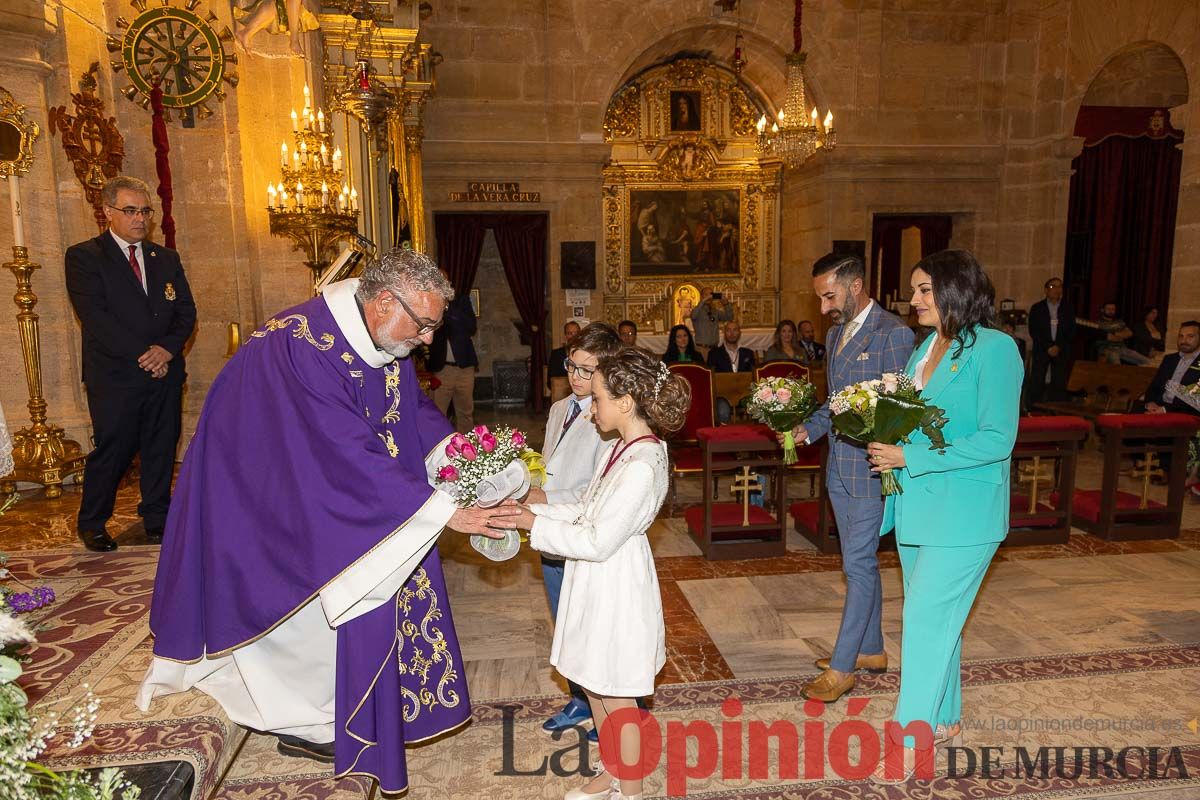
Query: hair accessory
[[663, 374]]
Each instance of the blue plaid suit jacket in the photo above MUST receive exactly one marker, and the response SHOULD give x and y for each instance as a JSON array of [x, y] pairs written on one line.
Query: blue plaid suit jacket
[[883, 345]]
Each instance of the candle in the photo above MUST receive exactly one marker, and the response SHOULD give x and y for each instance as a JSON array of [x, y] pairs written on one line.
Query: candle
[[762, 123], [283, 155], [337, 159], [299, 194], [304, 152], [14, 199], [306, 95], [324, 195], [354, 200], [270, 197], [295, 125], [295, 160], [828, 121], [321, 121], [814, 117], [779, 117], [324, 156]]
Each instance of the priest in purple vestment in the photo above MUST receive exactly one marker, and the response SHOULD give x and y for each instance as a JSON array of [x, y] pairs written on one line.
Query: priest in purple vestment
[[299, 583]]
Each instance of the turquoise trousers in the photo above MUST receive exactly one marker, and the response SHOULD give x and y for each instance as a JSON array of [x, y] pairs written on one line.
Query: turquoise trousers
[[940, 584]]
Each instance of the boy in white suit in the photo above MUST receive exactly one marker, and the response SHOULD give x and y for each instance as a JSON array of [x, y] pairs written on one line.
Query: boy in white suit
[[573, 451]]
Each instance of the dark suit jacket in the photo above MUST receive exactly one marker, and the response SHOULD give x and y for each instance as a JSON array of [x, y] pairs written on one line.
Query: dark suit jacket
[[1159, 385], [555, 366], [456, 332], [120, 322], [718, 359], [818, 350], [1039, 326]]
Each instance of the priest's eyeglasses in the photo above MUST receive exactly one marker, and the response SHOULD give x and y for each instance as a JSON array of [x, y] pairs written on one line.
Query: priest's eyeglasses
[[585, 373], [131, 212], [424, 325]]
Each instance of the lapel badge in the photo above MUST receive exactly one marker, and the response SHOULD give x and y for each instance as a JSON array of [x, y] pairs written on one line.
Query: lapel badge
[[954, 367], [169, 291]]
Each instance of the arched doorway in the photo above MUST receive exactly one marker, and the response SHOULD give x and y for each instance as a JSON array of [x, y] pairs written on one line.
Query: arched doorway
[[1125, 184]]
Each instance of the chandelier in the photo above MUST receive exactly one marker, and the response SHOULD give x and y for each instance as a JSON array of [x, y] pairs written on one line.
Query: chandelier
[[795, 135], [366, 98], [313, 204]]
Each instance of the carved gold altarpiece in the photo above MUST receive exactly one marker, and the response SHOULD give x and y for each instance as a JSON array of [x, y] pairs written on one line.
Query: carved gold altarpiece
[[686, 199]]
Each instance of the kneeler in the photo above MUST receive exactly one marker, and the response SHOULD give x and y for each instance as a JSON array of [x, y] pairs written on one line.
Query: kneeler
[[1044, 461], [1113, 514]]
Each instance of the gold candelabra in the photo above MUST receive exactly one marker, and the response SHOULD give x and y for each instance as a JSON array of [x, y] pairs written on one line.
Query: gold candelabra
[[313, 203], [41, 452]]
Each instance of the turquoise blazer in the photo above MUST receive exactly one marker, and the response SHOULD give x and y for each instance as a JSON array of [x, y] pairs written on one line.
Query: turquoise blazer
[[961, 497]]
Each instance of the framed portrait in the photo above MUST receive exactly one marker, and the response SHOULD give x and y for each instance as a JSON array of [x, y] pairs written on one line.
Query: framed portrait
[[475, 301], [684, 232], [685, 110]]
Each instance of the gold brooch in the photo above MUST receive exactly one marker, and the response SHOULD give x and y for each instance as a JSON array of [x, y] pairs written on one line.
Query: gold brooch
[[169, 291], [954, 367]]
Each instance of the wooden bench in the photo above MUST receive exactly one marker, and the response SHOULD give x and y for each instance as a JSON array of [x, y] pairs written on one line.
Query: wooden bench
[[1101, 388]]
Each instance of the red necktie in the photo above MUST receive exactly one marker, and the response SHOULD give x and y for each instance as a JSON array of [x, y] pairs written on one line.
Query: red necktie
[[133, 262]]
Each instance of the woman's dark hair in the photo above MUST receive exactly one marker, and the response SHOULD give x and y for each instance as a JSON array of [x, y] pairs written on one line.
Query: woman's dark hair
[[672, 354], [1146, 311], [662, 397], [779, 329], [965, 297]]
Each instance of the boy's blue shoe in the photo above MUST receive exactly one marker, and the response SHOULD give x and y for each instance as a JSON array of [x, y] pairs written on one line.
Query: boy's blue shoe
[[593, 735], [573, 713]]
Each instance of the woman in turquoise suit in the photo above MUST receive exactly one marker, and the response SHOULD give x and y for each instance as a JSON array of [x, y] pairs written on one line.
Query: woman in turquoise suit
[[953, 513]]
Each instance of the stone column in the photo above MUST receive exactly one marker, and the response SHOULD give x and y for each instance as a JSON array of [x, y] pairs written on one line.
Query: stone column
[[415, 183]]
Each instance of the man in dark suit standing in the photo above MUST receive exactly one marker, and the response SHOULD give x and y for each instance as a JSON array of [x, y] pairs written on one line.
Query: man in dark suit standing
[[136, 311], [453, 360], [556, 364], [1052, 328], [1182, 368]]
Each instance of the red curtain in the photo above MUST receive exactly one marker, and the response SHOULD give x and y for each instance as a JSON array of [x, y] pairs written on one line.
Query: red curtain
[[459, 244], [886, 232], [1123, 199], [162, 164], [521, 240]]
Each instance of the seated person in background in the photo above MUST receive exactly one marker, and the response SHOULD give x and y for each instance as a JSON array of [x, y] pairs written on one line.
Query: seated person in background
[[556, 364], [814, 351], [1147, 338], [1113, 349], [786, 346], [627, 330], [1182, 367], [681, 348], [729, 357]]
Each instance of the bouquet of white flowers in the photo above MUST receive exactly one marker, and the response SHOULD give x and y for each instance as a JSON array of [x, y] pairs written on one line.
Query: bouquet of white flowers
[[485, 467], [781, 404], [887, 410]]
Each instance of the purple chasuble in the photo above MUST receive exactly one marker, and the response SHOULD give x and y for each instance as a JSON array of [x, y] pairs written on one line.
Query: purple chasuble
[[304, 459]]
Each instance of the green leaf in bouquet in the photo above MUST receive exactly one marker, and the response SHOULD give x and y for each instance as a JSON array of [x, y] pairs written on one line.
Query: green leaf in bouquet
[[10, 669], [896, 417], [932, 422], [851, 425]]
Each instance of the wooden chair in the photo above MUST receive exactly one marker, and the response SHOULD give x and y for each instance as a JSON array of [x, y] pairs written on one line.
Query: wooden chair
[[684, 446], [809, 462], [1113, 514], [1044, 461]]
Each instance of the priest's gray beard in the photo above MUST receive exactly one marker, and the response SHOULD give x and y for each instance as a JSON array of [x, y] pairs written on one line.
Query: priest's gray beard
[[400, 348]]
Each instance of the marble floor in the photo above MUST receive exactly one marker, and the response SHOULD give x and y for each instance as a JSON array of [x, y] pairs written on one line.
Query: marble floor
[[1099, 631]]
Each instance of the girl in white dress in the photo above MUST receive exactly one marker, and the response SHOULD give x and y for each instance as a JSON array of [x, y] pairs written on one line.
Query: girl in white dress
[[609, 636]]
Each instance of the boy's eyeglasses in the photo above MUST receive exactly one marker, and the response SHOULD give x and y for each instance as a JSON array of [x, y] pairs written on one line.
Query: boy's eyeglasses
[[585, 373]]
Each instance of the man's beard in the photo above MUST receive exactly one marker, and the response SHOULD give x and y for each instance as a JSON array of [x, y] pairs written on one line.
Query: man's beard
[[844, 314], [400, 348]]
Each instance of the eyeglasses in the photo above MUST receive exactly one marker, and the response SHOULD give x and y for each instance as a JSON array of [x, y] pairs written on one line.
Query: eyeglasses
[[584, 373], [130, 212], [424, 326]]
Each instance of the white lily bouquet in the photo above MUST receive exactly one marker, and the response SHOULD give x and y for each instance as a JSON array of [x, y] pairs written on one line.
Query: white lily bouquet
[[486, 467]]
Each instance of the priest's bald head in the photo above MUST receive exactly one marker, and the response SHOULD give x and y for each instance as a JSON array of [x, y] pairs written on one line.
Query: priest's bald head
[[403, 296]]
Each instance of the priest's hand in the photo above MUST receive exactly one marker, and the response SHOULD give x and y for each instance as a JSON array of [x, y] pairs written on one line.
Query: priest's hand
[[535, 495], [484, 521]]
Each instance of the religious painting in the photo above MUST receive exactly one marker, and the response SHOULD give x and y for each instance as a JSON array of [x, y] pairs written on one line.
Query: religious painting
[[685, 111], [685, 298], [684, 232]]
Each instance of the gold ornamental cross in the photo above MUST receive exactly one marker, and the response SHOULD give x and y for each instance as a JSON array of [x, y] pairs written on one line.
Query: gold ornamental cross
[[745, 482], [1150, 468], [1034, 472]]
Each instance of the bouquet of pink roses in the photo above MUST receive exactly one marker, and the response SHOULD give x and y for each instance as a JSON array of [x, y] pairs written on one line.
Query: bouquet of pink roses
[[781, 404], [482, 463]]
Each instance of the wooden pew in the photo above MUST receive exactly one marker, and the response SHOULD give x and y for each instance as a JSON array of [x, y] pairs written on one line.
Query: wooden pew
[[1106, 389]]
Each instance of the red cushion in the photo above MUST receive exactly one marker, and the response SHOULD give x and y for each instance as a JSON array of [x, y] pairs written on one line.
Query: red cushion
[[1019, 507], [1053, 425], [807, 457], [726, 515], [807, 515], [1087, 503], [1168, 424], [751, 433]]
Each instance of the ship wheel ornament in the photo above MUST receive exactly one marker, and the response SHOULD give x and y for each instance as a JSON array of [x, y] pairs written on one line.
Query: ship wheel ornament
[[177, 48]]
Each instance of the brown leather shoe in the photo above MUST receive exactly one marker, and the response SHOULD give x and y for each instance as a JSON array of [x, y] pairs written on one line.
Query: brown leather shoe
[[875, 663], [828, 686]]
